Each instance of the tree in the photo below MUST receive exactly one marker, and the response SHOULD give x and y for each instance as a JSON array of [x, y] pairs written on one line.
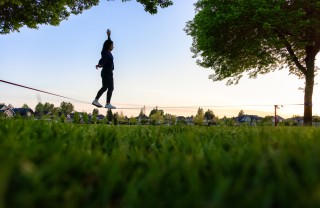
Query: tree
[[121, 118], [109, 115], [141, 114], [198, 119], [115, 118], [76, 118], [157, 118], [55, 111], [85, 117], [143, 121], [155, 110], [241, 113], [229, 121], [267, 121], [209, 115], [39, 109], [133, 120], [47, 107], [170, 119], [95, 111], [62, 118], [15, 14], [66, 108], [173, 119], [257, 37], [94, 118], [25, 106]]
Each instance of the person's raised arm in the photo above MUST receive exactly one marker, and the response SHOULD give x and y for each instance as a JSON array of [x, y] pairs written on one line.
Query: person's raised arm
[[109, 34]]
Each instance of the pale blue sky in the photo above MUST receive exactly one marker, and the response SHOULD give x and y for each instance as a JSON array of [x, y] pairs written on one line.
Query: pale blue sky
[[153, 65]]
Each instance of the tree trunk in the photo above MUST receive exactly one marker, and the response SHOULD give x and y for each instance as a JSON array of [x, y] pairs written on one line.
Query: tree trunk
[[307, 120], [308, 92]]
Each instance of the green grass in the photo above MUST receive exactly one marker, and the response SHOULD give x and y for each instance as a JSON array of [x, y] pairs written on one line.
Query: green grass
[[47, 164]]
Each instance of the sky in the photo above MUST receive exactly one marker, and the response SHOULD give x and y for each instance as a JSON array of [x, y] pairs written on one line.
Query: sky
[[153, 66]]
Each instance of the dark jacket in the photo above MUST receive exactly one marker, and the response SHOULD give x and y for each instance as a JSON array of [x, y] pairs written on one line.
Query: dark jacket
[[106, 60]]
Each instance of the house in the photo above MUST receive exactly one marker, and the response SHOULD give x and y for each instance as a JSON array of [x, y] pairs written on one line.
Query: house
[[24, 112], [210, 122], [250, 120], [45, 113], [316, 121], [3, 106], [279, 119], [100, 117], [298, 120], [6, 111], [70, 117], [189, 121], [143, 119], [181, 120]]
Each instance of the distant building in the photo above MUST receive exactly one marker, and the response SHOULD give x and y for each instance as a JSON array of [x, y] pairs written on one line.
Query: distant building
[[143, 119], [279, 119], [189, 121], [100, 117], [250, 120], [298, 120], [24, 112], [6, 111]]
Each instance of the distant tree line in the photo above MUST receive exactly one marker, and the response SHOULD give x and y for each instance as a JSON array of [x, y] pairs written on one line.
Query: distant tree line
[[66, 113]]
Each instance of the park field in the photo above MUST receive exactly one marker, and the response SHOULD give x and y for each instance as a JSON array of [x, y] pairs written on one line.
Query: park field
[[48, 164]]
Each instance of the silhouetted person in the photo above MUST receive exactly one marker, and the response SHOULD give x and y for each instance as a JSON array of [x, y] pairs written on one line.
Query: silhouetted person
[[106, 63]]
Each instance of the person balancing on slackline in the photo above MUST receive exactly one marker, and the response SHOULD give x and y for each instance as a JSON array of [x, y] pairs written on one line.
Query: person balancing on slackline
[[106, 63]]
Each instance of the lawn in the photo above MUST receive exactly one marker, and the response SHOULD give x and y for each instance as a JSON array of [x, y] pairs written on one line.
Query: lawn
[[48, 164]]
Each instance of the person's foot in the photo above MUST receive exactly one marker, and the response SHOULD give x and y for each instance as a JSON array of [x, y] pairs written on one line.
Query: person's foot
[[109, 106], [96, 103]]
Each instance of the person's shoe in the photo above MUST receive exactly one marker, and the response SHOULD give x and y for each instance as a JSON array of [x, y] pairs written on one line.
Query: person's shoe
[[109, 106], [96, 103]]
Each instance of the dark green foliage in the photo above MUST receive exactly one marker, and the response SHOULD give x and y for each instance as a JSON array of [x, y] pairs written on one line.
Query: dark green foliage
[[255, 36], [155, 110], [51, 164], [94, 119], [209, 115], [66, 108], [16, 13], [109, 115], [85, 117], [62, 118], [115, 118], [76, 118], [39, 109]]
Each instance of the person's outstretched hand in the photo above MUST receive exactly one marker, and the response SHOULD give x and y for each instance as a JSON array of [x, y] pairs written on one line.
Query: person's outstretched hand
[[109, 33], [98, 66]]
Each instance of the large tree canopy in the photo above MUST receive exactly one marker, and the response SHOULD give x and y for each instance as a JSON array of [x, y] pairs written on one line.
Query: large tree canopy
[[256, 36], [16, 13]]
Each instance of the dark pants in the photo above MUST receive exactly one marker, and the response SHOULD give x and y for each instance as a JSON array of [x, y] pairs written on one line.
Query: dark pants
[[107, 84]]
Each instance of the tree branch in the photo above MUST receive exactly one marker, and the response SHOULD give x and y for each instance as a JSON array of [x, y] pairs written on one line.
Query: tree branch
[[291, 52]]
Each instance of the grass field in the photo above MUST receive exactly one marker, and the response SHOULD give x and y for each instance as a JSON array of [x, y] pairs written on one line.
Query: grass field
[[47, 164]]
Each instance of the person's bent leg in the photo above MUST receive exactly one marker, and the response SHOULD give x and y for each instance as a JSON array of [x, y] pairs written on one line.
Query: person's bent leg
[[101, 91], [104, 86], [110, 91], [96, 100], [110, 87], [109, 94]]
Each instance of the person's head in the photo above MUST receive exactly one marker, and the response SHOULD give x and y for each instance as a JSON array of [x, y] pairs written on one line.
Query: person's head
[[108, 45]]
